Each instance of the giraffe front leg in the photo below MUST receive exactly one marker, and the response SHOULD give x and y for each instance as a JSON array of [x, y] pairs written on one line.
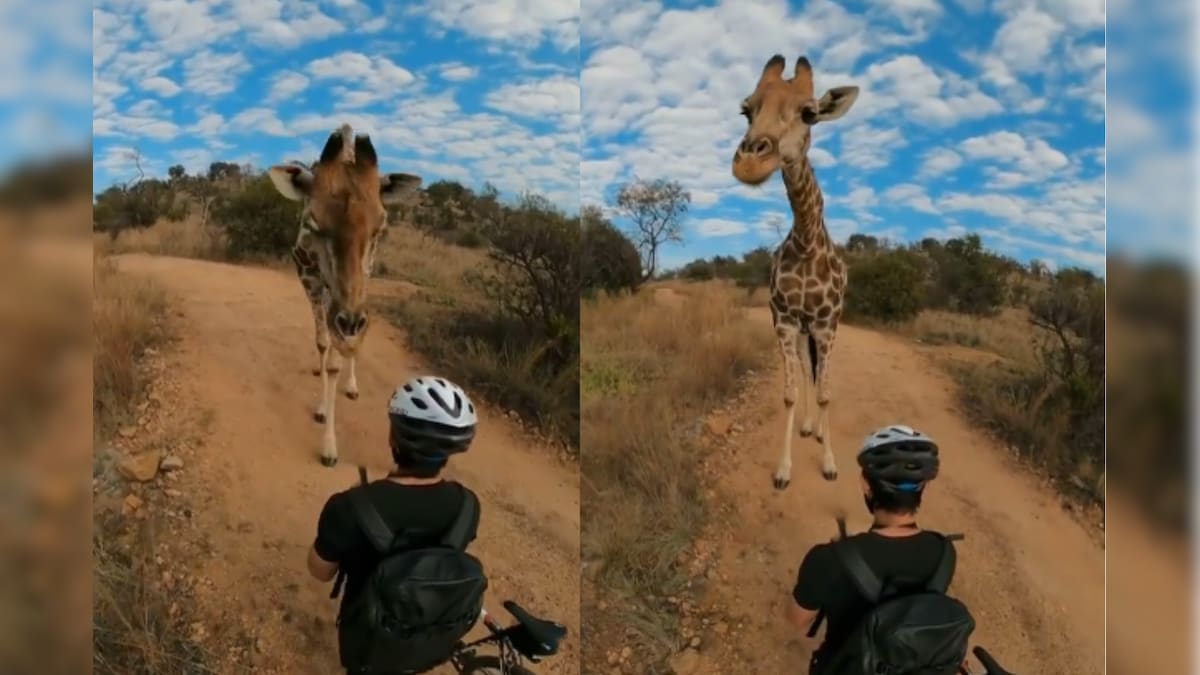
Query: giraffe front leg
[[787, 347], [824, 395], [807, 383], [351, 380], [325, 413]]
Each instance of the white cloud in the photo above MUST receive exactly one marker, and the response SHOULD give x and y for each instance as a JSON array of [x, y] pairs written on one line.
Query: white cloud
[[374, 72], [1033, 156], [285, 85], [939, 161], [1026, 39], [912, 196], [212, 74], [161, 85], [719, 227], [258, 120], [867, 147], [552, 96], [458, 72], [524, 22]]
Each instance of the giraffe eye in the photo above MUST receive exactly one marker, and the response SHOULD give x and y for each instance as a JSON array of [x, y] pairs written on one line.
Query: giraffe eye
[[746, 112]]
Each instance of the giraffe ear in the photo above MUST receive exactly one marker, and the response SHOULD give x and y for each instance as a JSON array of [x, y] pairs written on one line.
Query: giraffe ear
[[398, 188], [292, 181], [835, 103]]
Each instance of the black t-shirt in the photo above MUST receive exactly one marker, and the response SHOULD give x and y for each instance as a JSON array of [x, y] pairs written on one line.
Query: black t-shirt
[[822, 584], [425, 510]]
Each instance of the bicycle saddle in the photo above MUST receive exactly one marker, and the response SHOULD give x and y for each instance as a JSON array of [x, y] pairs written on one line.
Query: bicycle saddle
[[537, 637]]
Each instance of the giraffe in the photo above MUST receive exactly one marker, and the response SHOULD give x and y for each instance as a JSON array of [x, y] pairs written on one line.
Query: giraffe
[[808, 278], [344, 217]]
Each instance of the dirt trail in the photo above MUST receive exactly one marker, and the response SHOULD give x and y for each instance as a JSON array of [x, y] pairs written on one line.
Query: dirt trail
[[247, 354], [1031, 573]]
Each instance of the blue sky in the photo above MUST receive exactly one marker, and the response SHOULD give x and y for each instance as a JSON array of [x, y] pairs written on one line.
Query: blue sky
[[468, 90], [973, 116], [45, 54]]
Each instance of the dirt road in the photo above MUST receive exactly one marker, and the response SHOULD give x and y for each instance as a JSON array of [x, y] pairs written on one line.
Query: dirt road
[[247, 354], [1031, 573]]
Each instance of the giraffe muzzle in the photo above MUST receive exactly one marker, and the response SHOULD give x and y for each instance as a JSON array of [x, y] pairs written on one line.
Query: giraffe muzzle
[[758, 147], [350, 324]]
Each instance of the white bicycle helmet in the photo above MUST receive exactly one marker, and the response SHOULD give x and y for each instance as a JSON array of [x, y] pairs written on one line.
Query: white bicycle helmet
[[431, 419], [898, 457]]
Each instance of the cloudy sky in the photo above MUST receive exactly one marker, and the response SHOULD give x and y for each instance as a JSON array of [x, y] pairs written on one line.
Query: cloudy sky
[[973, 116], [468, 90]]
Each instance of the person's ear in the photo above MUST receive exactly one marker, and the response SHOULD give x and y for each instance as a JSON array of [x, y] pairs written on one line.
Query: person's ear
[[866, 487]]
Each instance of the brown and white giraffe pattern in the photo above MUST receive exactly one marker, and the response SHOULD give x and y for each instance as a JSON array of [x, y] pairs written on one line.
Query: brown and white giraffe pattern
[[808, 278]]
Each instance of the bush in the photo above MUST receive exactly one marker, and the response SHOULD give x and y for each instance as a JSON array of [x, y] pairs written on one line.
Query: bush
[[885, 286], [609, 260], [967, 278], [257, 221]]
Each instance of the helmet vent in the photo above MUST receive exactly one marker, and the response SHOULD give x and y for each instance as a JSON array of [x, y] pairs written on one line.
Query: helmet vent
[[420, 404]]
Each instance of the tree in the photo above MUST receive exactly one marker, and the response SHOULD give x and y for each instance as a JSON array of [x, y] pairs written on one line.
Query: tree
[[655, 209], [609, 261], [176, 173]]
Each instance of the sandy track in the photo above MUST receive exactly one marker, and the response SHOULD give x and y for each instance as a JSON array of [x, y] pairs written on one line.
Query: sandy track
[[1031, 573], [247, 353]]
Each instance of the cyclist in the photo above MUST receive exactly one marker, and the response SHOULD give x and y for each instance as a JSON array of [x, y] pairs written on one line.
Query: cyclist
[[897, 464], [430, 419]]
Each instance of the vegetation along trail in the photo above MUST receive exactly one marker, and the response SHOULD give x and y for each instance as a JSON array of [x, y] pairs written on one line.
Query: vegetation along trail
[[246, 352]]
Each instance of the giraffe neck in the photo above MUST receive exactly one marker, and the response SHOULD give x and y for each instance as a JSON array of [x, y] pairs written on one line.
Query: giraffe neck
[[808, 233]]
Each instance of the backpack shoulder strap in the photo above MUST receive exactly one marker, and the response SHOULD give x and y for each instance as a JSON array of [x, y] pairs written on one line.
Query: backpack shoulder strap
[[381, 536], [940, 581], [864, 578], [459, 534]]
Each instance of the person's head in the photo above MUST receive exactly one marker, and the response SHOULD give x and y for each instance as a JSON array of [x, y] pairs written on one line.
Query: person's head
[[897, 464], [430, 418]]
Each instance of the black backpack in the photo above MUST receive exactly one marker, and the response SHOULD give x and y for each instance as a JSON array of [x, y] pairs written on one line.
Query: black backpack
[[911, 628], [417, 603]]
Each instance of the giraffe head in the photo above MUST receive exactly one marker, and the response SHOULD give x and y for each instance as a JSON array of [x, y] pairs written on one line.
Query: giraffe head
[[345, 198], [780, 112]]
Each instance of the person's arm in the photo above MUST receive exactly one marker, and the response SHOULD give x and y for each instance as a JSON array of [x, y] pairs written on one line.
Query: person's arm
[[808, 595], [325, 554], [321, 569]]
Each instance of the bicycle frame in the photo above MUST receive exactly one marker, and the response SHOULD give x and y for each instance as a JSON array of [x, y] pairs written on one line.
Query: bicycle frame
[[509, 657]]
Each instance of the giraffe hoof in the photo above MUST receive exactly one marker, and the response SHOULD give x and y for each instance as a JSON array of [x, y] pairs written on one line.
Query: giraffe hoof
[[781, 483], [352, 395], [329, 461], [830, 475], [319, 418]]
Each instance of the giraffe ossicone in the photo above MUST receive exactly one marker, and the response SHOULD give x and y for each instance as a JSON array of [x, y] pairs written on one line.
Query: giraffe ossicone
[[344, 215], [808, 277]]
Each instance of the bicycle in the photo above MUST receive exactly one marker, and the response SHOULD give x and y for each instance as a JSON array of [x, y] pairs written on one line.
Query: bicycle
[[530, 638], [990, 667]]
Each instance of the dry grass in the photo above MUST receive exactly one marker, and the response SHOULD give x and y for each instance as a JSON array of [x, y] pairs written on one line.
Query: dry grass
[[1008, 334], [133, 630], [652, 365], [185, 239], [408, 255], [449, 322], [128, 315]]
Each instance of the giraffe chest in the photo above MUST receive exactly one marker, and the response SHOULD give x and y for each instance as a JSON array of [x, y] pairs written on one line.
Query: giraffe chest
[[808, 291]]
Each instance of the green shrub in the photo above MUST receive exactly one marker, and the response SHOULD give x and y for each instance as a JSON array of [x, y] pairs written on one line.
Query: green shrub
[[885, 286], [258, 222]]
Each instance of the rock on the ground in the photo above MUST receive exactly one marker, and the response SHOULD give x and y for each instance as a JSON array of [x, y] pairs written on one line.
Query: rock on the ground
[[719, 425], [131, 504], [143, 467], [171, 463], [686, 662]]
